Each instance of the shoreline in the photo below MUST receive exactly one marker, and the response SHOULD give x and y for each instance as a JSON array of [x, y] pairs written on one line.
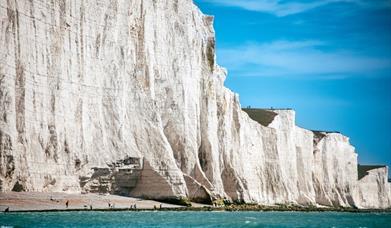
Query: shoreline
[[34, 202], [205, 209]]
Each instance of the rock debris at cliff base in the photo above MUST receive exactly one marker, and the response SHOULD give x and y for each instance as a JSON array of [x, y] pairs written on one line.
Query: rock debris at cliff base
[[88, 85]]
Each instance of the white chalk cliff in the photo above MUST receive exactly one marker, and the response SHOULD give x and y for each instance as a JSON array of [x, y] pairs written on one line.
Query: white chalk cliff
[[87, 87]]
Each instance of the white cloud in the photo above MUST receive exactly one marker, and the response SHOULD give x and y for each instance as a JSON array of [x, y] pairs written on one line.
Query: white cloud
[[285, 8], [286, 58]]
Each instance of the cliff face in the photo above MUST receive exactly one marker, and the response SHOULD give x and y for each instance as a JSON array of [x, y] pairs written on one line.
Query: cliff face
[[316, 167], [131, 89], [373, 188]]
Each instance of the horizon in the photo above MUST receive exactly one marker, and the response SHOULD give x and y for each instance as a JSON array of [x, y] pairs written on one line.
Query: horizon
[[330, 61]]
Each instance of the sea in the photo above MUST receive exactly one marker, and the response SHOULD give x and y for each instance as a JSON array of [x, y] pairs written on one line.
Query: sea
[[194, 219]]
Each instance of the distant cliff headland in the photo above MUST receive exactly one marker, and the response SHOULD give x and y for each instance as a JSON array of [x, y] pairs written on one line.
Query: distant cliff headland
[[126, 98]]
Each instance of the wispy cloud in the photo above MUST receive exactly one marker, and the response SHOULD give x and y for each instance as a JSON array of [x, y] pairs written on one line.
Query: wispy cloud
[[285, 8], [303, 58]]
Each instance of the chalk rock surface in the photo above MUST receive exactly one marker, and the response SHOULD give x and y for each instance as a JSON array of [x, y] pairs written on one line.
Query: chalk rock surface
[[374, 191], [95, 93]]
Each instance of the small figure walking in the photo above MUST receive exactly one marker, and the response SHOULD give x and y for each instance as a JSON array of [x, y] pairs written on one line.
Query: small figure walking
[[90, 207], [67, 203], [161, 206]]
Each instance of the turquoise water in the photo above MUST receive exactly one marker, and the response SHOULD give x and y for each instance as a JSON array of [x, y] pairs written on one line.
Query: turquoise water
[[195, 219]]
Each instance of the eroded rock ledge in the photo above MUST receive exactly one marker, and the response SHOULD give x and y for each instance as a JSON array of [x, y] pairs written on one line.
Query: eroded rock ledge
[[85, 84]]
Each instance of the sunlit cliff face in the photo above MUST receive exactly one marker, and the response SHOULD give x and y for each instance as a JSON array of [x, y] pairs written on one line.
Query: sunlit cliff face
[[126, 97]]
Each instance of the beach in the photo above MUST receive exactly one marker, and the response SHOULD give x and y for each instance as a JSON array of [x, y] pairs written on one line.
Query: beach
[[38, 201], [56, 202]]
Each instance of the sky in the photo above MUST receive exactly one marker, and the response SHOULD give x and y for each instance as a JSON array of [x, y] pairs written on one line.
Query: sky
[[330, 60]]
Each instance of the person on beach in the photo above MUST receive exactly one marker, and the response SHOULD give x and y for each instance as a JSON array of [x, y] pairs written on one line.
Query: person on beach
[[90, 207], [67, 203], [161, 206]]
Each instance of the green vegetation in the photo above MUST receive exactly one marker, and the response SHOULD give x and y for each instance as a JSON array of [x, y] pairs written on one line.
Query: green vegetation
[[182, 201]]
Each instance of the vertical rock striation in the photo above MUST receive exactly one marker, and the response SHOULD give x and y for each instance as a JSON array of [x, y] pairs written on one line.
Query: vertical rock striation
[[86, 86], [373, 187]]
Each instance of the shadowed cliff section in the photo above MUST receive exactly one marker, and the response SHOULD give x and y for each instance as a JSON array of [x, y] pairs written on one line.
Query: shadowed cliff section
[[262, 116], [362, 170]]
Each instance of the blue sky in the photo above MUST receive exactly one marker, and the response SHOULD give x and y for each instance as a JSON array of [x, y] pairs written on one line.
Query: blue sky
[[330, 60]]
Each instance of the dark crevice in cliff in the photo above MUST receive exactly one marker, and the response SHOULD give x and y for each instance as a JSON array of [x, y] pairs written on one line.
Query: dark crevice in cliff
[[19, 187], [210, 53], [202, 157]]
